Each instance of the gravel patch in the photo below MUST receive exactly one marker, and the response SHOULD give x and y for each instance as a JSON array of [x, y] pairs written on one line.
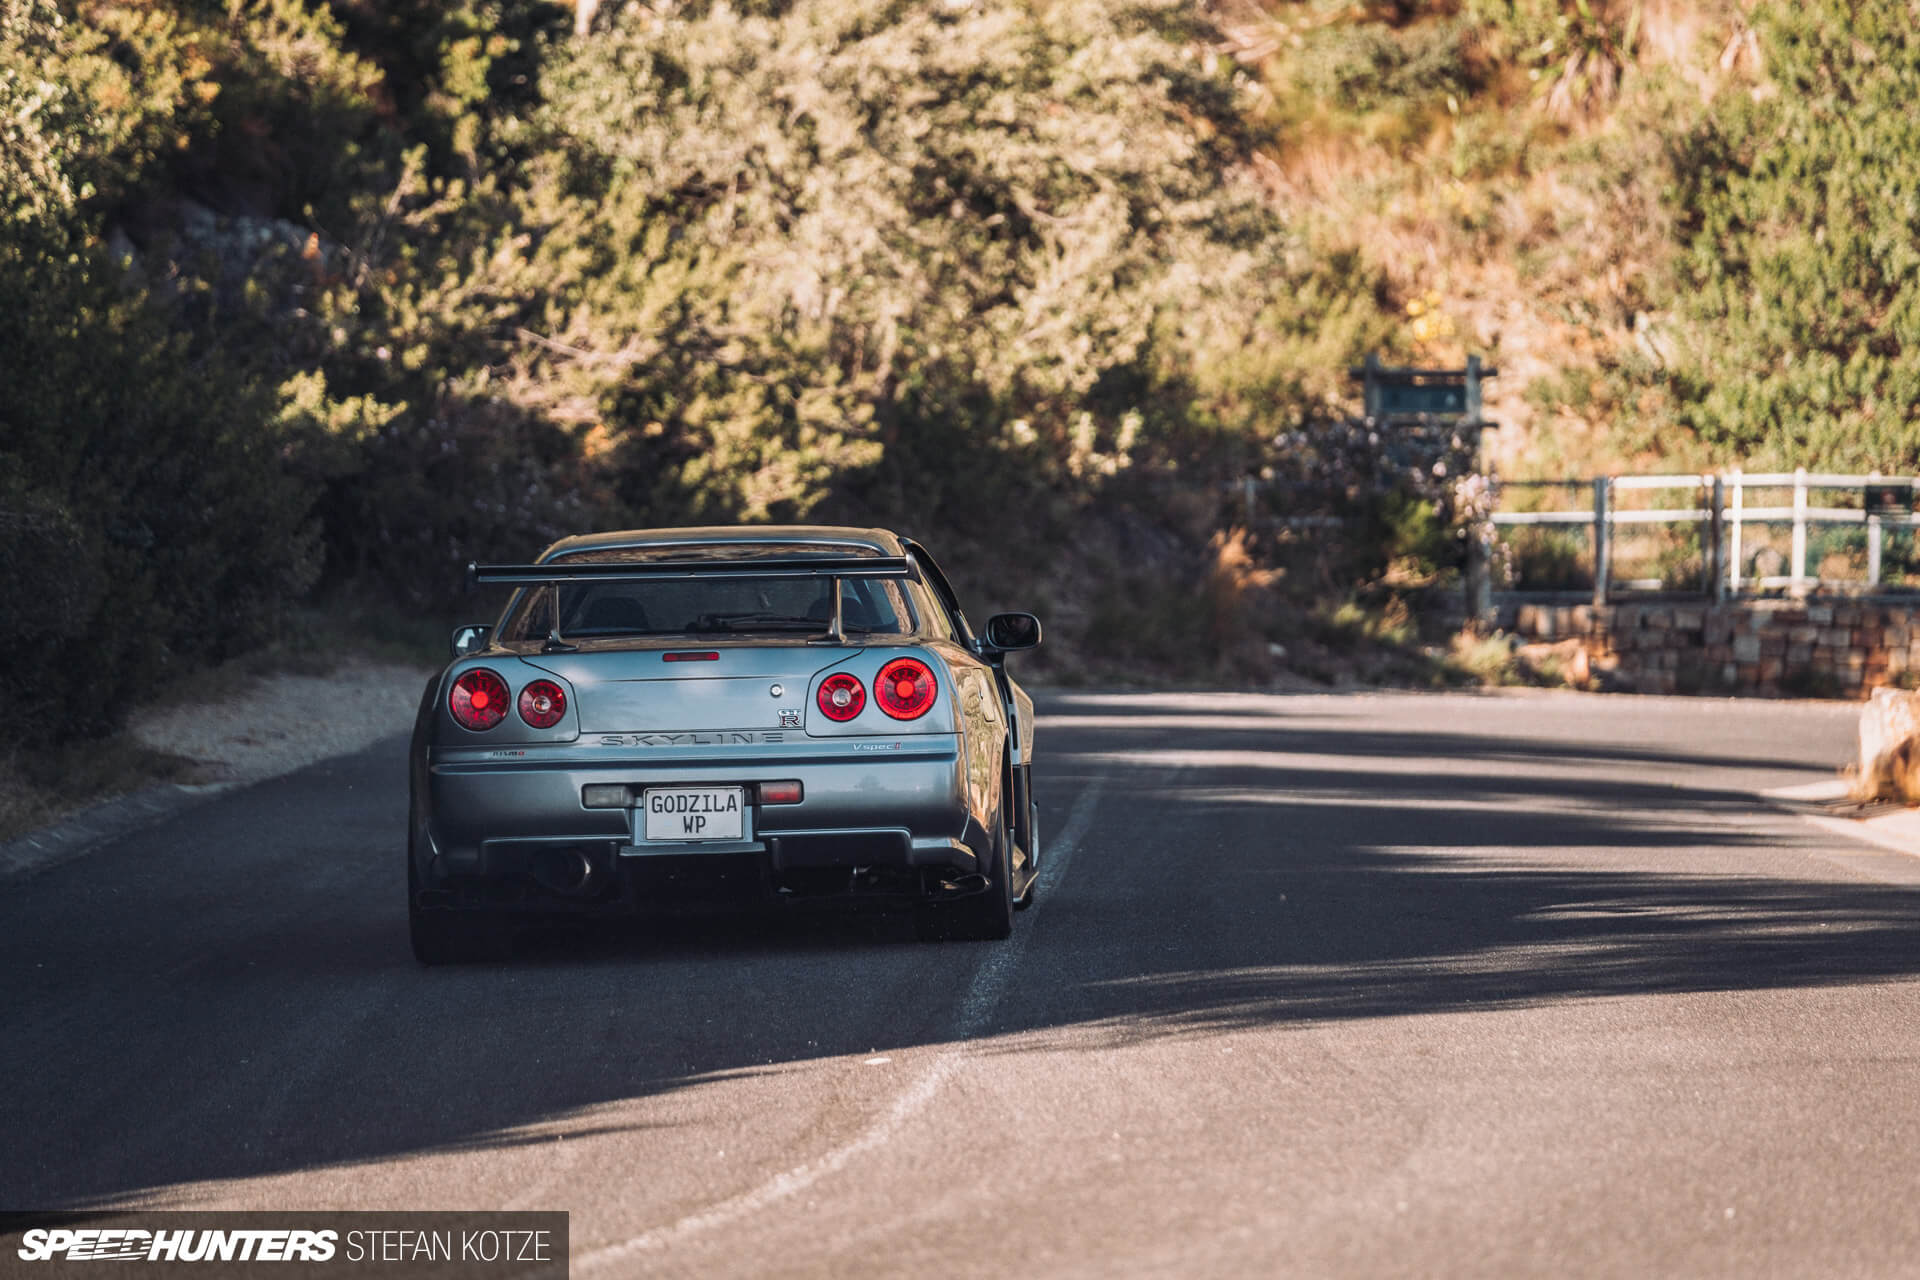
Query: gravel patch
[[274, 725], [285, 722]]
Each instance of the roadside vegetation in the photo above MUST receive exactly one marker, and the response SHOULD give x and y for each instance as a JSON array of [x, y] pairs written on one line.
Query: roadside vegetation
[[313, 302]]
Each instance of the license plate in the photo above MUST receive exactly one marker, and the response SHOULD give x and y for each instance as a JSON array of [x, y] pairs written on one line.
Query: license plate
[[678, 815]]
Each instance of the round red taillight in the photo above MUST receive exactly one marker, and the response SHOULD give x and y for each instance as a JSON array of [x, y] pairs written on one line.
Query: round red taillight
[[542, 704], [904, 689], [841, 696], [478, 700]]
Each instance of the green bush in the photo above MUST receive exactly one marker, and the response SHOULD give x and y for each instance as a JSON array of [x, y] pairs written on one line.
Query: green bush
[[1800, 286], [152, 526]]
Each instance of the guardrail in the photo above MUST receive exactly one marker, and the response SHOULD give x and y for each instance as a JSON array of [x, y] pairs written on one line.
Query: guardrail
[[1721, 511]]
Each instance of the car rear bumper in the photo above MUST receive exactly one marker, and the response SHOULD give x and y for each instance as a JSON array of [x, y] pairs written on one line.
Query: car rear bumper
[[898, 804]]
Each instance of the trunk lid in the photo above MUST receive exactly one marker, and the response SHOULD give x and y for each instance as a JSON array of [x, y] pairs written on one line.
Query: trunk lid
[[636, 690]]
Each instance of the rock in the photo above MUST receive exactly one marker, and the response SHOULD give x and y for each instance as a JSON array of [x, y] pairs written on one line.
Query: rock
[[1889, 754], [1565, 661]]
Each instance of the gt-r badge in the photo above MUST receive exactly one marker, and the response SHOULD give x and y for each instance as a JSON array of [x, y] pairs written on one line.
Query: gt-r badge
[[789, 716]]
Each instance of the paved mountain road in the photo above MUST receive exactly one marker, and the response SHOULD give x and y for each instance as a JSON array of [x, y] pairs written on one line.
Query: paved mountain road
[[1320, 985]]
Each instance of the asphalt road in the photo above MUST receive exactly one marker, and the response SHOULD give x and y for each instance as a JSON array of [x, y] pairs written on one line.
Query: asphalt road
[[1371, 986]]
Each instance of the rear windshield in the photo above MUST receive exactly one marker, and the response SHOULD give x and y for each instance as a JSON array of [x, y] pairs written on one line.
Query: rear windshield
[[798, 606]]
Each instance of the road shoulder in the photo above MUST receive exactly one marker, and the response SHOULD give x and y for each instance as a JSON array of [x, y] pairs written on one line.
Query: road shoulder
[[270, 727]]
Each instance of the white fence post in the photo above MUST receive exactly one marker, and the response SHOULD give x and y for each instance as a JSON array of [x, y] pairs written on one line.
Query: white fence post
[[1716, 537], [1734, 560], [1873, 534], [1799, 586], [1602, 538]]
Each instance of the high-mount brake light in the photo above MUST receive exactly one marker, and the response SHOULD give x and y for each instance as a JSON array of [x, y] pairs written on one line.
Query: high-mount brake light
[[478, 700], [841, 696], [543, 704], [904, 688]]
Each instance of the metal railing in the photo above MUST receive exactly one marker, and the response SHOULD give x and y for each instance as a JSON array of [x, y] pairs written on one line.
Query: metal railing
[[1722, 515]]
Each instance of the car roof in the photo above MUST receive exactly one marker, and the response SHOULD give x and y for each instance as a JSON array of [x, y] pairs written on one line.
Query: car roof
[[883, 541]]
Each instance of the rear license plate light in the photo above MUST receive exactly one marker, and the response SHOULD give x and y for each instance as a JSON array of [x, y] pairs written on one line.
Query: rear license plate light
[[605, 795]]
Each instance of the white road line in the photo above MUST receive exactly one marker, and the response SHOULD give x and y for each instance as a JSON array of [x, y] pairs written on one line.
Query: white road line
[[976, 1007]]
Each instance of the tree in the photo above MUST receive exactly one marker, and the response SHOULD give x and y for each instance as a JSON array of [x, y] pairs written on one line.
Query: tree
[[826, 249]]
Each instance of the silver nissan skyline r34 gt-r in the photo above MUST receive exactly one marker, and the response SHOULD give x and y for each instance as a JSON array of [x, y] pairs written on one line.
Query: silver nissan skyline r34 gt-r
[[678, 718]]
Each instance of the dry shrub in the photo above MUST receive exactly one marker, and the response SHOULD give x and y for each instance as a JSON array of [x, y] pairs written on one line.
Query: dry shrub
[[1889, 748], [1238, 595], [1895, 776]]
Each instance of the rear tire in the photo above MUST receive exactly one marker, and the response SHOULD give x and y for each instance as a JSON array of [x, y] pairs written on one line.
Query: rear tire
[[984, 917]]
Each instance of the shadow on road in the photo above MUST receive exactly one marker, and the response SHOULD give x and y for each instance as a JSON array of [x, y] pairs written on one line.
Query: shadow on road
[[232, 996]]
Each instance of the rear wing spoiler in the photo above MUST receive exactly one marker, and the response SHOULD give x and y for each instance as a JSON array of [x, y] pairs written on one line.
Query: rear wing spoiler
[[481, 575], [554, 573]]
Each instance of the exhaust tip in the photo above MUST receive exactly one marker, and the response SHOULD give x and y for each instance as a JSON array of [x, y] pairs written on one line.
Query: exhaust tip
[[565, 871], [964, 886]]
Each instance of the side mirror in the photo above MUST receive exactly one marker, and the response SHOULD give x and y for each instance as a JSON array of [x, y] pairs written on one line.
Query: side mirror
[[470, 639], [1010, 631]]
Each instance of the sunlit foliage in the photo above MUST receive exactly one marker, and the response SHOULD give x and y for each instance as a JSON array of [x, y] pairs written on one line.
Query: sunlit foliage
[[1799, 291], [365, 290]]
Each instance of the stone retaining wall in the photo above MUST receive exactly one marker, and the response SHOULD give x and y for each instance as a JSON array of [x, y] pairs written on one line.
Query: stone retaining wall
[[1767, 647]]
